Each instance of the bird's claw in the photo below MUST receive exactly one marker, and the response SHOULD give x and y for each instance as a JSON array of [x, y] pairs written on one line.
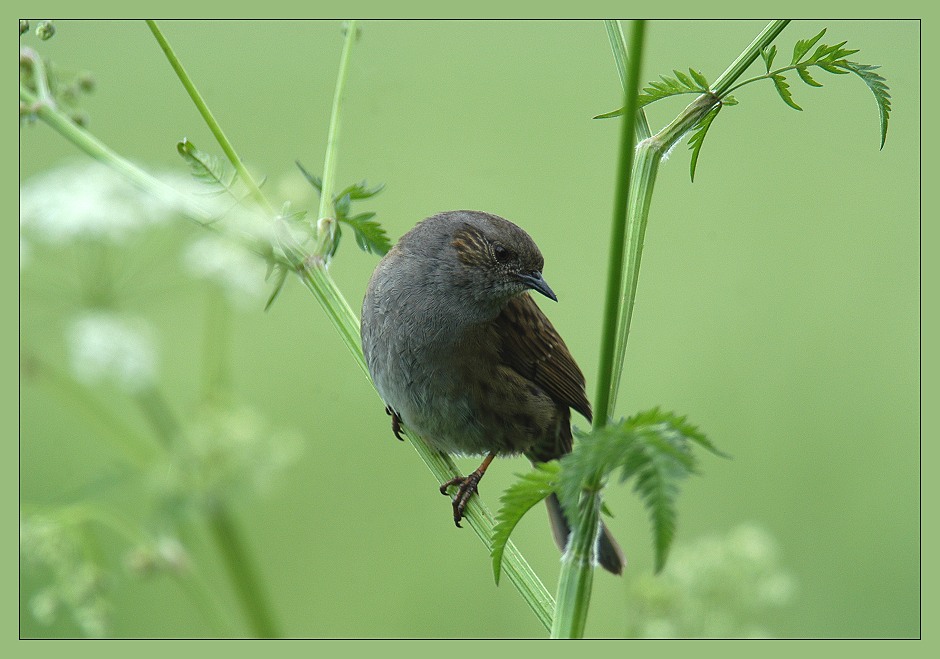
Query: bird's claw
[[396, 423], [466, 487]]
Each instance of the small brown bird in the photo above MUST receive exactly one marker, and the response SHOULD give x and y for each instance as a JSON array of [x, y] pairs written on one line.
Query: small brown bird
[[462, 355]]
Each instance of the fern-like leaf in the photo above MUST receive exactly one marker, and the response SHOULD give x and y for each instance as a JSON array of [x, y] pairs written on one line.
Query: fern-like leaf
[[768, 54], [312, 179], [806, 77], [207, 168], [653, 448], [803, 45], [370, 236], [879, 87], [784, 90], [692, 83], [695, 142], [516, 502], [361, 190]]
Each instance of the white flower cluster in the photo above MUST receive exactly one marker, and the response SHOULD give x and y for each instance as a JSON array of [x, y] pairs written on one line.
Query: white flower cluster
[[105, 346], [87, 201], [717, 587], [226, 452], [238, 272], [77, 586]]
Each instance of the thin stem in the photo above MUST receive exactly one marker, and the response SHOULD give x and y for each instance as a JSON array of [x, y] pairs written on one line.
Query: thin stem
[[240, 566], [723, 83], [95, 148], [332, 141], [128, 441], [208, 117], [158, 413], [768, 75], [215, 350], [618, 46], [615, 264]]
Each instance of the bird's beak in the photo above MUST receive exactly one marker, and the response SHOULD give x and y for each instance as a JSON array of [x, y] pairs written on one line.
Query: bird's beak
[[534, 281]]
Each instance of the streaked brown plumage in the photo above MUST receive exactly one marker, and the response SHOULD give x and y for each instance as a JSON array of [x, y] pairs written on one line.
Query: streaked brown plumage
[[461, 353]]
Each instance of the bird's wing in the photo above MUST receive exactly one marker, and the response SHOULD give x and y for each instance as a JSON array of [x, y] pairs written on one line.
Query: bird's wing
[[531, 347]]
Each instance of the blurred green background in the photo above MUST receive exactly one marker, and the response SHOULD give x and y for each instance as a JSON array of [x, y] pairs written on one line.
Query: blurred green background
[[777, 308]]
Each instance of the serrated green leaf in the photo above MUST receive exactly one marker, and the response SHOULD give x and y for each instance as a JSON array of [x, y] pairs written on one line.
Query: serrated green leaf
[[314, 180], [280, 277], [530, 489], [361, 191], [806, 77], [341, 205], [653, 449], [683, 78], [700, 79], [803, 45], [370, 236], [695, 142], [768, 54], [610, 115], [784, 90], [879, 87], [831, 67], [206, 167]]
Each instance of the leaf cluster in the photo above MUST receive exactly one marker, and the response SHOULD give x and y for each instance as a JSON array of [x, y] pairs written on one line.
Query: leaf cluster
[[807, 53], [830, 58], [652, 448], [370, 236]]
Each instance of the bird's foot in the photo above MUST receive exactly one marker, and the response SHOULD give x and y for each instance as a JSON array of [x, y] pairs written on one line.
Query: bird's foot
[[396, 422], [466, 487]]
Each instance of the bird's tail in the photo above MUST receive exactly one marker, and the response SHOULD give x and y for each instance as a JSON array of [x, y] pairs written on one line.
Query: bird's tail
[[609, 554]]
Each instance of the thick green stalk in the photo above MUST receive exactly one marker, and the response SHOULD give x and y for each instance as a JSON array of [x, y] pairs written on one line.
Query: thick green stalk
[[618, 229], [209, 118], [575, 582], [649, 154], [577, 572], [240, 566]]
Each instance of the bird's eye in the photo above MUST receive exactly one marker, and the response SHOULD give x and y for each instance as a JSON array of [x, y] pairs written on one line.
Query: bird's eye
[[502, 254]]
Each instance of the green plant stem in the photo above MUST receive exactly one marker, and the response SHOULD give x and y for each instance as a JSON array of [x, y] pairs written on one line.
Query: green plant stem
[[649, 154], [157, 412], [135, 448], [326, 209], [618, 46], [209, 118], [240, 566], [91, 145], [577, 572], [216, 342], [723, 83], [577, 568], [618, 230]]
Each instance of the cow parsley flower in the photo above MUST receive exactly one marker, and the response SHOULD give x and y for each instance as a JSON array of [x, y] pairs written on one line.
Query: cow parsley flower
[[87, 201], [107, 347]]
